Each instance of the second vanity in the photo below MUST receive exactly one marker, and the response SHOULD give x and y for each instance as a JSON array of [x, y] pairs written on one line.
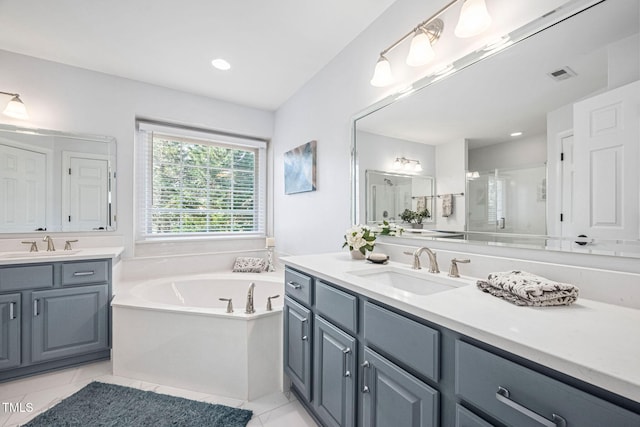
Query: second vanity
[[364, 346], [54, 309]]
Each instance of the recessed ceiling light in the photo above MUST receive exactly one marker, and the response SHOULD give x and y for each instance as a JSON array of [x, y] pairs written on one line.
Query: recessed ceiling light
[[221, 64], [516, 134]]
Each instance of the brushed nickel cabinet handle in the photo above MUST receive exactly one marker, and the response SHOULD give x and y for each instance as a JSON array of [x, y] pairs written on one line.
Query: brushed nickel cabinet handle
[[84, 273], [503, 396], [365, 379], [12, 314], [294, 285], [345, 369], [35, 308]]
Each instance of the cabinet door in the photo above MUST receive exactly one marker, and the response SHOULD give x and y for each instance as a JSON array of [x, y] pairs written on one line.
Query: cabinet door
[[297, 346], [393, 397], [67, 322], [334, 389], [9, 331]]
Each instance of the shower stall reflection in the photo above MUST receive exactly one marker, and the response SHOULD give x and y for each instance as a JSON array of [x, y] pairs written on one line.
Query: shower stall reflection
[[507, 201]]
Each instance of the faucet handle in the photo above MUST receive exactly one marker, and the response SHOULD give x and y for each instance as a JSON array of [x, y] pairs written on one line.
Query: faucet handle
[[67, 244], [269, 307], [453, 269], [34, 246], [229, 304]]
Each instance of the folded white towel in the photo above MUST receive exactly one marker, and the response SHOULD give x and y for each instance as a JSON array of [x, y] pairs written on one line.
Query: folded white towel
[[522, 288]]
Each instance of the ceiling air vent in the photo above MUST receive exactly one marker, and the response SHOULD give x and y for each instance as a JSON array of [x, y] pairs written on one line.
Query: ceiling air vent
[[563, 73]]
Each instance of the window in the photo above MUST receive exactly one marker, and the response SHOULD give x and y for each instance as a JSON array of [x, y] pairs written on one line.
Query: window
[[198, 183]]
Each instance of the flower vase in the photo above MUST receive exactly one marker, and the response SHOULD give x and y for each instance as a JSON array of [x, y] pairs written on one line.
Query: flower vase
[[356, 254]]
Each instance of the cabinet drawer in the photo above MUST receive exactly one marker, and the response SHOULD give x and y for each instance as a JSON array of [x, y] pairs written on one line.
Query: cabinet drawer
[[74, 273], [337, 306], [298, 286], [403, 340], [466, 418], [26, 277], [519, 396]]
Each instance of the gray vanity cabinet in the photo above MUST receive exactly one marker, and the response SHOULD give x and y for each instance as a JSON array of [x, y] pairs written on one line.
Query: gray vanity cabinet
[[69, 321], [393, 397], [53, 315], [10, 330], [519, 396], [334, 374], [297, 346]]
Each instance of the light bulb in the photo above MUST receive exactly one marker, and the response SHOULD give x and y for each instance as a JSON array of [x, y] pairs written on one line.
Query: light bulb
[[417, 167], [382, 75], [421, 51], [474, 19], [16, 109], [397, 164]]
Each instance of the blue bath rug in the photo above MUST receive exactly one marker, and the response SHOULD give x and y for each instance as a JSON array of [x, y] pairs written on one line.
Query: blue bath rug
[[100, 404]]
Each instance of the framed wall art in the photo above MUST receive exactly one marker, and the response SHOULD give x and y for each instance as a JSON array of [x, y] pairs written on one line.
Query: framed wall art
[[300, 169]]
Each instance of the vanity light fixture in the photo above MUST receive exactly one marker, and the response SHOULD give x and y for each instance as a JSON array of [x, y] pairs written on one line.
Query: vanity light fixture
[[15, 108], [474, 19], [407, 164]]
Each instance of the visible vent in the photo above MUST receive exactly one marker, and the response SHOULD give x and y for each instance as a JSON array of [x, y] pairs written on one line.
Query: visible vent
[[563, 73]]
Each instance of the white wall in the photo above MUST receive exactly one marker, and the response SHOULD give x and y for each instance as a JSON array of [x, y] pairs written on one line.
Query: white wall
[[71, 99], [451, 165], [323, 109], [528, 151]]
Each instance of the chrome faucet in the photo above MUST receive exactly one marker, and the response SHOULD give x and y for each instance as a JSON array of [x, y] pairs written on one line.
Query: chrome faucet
[[433, 262], [249, 307], [49, 240]]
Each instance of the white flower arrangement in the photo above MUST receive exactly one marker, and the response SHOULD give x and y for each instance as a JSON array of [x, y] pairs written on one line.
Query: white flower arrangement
[[389, 229], [360, 238]]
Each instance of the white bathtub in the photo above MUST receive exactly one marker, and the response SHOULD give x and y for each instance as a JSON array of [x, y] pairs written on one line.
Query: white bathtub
[[175, 331]]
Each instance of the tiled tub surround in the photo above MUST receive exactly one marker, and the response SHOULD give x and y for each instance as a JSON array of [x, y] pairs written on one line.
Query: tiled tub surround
[[175, 331], [589, 340]]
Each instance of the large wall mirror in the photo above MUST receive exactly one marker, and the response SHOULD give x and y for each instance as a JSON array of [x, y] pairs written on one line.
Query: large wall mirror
[[535, 143], [55, 181]]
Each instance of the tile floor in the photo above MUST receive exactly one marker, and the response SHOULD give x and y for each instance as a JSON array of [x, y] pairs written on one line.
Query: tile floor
[[44, 391]]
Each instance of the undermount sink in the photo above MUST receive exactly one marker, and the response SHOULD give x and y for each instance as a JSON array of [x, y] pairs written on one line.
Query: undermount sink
[[417, 282], [37, 254]]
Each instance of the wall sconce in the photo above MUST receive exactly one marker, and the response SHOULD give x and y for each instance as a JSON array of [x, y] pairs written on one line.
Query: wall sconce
[[407, 164], [474, 19], [15, 108]]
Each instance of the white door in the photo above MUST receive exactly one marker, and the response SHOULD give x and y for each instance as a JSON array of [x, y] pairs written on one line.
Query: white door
[[88, 194], [22, 189], [606, 140]]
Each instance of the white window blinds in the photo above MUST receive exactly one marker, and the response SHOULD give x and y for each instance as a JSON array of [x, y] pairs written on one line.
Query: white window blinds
[[198, 183]]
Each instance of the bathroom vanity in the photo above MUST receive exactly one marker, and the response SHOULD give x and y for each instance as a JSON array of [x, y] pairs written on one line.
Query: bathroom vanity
[[362, 351], [54, 310]]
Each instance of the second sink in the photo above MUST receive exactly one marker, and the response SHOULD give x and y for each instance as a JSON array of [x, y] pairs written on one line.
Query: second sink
[[415, 282]]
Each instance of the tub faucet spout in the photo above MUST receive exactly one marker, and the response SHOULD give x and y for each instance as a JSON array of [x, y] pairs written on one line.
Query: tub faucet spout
[[249, 307]]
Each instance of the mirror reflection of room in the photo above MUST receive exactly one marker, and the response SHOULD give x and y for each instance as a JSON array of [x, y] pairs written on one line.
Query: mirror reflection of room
[[544, 147]]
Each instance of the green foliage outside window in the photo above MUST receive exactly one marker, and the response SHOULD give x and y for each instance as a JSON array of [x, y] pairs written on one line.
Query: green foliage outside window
[[202, 188]]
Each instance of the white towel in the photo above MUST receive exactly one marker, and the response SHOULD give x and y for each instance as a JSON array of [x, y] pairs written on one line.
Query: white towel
[[522, 288], [447, 205]]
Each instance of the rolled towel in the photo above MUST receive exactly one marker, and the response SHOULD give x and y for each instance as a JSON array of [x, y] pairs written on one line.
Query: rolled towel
[[522, 288]]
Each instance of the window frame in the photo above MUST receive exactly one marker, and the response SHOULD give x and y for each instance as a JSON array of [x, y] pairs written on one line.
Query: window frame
[[145, 131]]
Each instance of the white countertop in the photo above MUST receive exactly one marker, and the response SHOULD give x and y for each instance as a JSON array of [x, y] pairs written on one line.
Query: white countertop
[[589, 340], [26, 257]]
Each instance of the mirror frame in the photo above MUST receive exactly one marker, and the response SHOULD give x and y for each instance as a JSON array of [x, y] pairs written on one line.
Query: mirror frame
[[75, 136], [538, 25]]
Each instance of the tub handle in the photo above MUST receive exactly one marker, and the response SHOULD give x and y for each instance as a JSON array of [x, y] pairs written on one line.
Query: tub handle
[[269, 307], [229, 304], [294, 285]]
